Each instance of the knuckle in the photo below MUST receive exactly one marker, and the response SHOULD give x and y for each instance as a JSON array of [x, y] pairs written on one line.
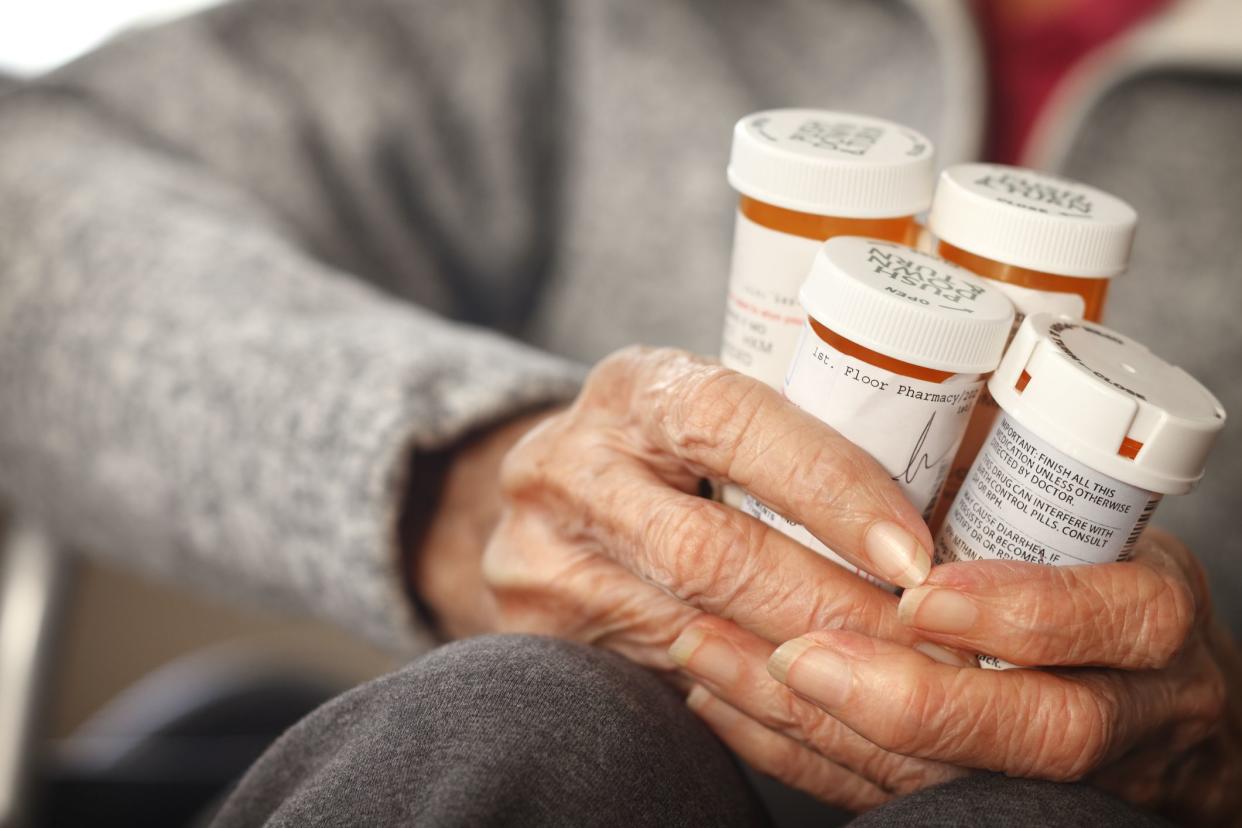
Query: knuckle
[[799, 720], [518, 472], [725, 563], [1151, 613], [611, 383], [1118, 614], [1168, 622], [841, 610], [712, 409], [686, 533], [1164, 550], [682, 403], [704, 552], [527, 466], [807, 723]]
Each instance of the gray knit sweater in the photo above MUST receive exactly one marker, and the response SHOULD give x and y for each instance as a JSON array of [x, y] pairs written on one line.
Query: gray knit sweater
[[254, 262]]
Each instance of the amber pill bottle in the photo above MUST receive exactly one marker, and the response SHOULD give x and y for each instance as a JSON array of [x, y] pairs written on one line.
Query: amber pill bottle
[[805, 176], [1051, 244], [894, 352]]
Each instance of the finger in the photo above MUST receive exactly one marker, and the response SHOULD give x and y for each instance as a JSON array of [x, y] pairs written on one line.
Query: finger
[[1133, 615], [729, 564], [1023, 722], [541, 584], [707, 555], [731, 663], [725, 425], [783, 758]]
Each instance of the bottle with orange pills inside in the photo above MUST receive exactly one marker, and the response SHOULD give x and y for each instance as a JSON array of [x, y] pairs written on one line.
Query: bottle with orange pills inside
[[804, 176], [1052, 245], [893, 355]]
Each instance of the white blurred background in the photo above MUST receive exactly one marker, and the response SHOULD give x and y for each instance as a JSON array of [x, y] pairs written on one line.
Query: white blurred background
[[37, 35]]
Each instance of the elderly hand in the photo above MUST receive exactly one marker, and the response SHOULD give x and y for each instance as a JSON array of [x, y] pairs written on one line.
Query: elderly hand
[[1136, 699], [601, 537]]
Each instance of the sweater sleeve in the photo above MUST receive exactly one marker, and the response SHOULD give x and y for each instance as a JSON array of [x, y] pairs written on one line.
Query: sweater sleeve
[[195, 376]]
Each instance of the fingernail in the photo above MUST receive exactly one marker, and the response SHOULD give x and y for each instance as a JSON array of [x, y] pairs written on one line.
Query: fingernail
[[937, 610], [697, 697], [897, 557], [714, 661], [946, 656], [812, 671]]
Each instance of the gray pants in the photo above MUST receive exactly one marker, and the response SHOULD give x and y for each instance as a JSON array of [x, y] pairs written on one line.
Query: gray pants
[[522, 730]]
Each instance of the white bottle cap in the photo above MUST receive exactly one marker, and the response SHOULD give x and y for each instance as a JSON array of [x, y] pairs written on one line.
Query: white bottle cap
[[1085, 389], [832, 163], [908, 305], [1032, 220]]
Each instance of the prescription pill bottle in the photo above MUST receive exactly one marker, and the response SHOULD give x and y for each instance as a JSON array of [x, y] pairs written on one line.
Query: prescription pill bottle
[[1051, 244], [804, 176], [1094, 430], [893, 354]]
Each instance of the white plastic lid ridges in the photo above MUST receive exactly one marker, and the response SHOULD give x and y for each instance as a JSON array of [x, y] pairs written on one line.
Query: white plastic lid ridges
[[1033, 220], [1089, 388], [908, 305], [832, 163]]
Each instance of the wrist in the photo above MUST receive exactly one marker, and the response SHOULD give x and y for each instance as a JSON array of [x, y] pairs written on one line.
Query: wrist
[[452, 506]]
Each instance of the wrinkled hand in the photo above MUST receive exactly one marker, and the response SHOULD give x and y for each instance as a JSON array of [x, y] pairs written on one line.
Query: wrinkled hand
[[1136, 701], [600, 536]]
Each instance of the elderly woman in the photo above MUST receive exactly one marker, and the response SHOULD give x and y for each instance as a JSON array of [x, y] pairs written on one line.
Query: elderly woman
[[249, 263]]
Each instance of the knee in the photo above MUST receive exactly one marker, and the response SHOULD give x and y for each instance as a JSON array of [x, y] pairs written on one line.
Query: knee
[[535, 729], [525, 694], [523, 721]]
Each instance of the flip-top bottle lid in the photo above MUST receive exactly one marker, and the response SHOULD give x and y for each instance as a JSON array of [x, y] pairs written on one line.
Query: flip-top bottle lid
[[911, 306], [1108, 402], [832, 163], [1032, 220]]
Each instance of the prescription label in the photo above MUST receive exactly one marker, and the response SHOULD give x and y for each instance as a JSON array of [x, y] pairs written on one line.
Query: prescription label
[[1024, 500], [911, 427], [762, 314]]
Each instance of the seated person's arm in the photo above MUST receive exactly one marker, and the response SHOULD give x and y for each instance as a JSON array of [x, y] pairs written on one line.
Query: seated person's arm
[[196, 378]]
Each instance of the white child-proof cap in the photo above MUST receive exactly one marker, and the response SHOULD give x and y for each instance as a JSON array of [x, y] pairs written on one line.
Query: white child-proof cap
[[832, 163], [1032, 220], [1085, 389], [908, 305]]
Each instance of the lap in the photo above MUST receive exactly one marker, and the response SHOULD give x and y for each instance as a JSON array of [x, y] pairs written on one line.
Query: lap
[[512, 729], [530, 730]]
